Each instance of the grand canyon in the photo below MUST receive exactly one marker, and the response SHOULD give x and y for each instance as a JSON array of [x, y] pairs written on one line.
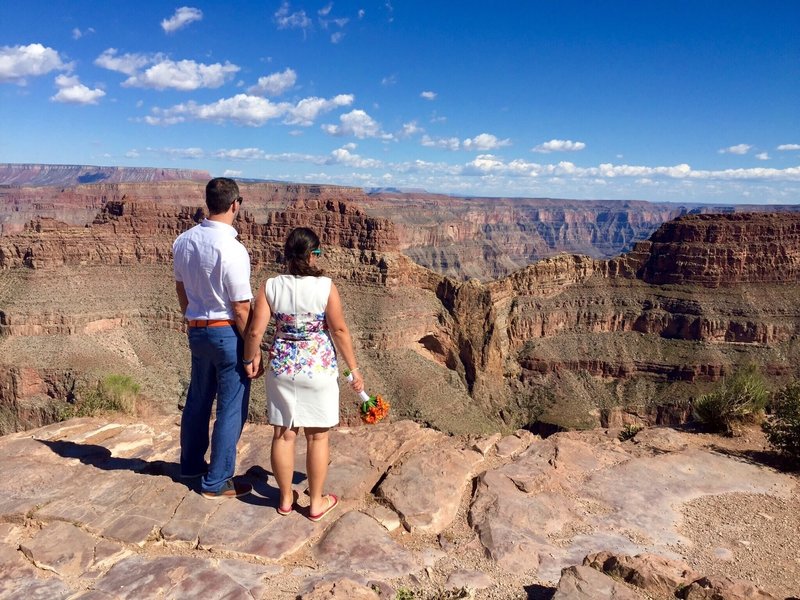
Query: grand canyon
[[486, 321], [573, 338]]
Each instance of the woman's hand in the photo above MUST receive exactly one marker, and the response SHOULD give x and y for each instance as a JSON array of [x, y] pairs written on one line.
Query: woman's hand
[[358, 382], [255, 369]]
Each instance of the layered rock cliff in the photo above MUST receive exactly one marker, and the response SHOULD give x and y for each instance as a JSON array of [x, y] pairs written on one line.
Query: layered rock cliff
[[568, 340], [483, 238], [68, 175], [575, 336]]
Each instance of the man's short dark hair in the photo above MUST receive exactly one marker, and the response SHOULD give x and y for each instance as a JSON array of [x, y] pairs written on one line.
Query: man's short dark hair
[[221, 192]]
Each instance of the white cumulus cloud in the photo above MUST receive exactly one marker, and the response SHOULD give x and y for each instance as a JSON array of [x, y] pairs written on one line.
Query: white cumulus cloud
[[72, 91], [245, 109], [556, 145], [242, 109], [241, 154], [343, 156], [306, 111], [192, 152], [17, 63], [737, 149], [762, 156], [232, 173], [128, 64], [185, 75], [789, 147], [488, 164], [481, 142], [286, 19], [183, 16], [451, 143], [78, 34], [484, 141], [428, 95], [359, 124], [410, 129], [337, 37], [275, 84]]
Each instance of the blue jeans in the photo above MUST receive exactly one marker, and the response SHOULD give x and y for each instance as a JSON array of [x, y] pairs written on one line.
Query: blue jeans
[[216, 372]]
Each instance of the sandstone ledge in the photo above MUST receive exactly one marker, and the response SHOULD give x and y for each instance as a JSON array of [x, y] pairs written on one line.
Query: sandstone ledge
[[97, 510]]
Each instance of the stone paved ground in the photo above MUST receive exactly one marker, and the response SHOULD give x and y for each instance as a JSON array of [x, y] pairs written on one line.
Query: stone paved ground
[[95, 509]]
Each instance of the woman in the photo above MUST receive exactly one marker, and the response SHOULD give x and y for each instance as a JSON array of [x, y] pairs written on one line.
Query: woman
[[302, 374]]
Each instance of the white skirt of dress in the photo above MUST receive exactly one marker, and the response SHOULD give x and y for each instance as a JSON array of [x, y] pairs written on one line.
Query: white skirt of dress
[[301, 401]]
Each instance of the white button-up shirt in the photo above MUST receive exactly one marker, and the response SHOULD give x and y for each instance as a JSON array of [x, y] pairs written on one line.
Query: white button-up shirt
[[214, 269]]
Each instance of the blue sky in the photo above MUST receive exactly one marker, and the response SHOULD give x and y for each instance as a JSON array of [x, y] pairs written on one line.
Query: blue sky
[[665, 101]]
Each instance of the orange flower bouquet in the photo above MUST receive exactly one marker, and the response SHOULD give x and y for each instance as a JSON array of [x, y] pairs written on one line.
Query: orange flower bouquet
[[372, 408]]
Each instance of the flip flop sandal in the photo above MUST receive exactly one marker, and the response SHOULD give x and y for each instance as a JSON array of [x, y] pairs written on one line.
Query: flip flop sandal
[[287, 511], [331, 505]]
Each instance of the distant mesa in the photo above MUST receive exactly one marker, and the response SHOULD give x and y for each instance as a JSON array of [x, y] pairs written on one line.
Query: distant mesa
[[67, 175]]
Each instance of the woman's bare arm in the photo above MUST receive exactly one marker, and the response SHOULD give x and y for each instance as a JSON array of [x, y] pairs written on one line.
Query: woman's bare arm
[[341, 336]]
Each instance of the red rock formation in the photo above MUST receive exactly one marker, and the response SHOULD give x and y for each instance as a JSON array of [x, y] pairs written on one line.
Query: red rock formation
[[708, 251], [572, 317], [67, 175], [638, 329]]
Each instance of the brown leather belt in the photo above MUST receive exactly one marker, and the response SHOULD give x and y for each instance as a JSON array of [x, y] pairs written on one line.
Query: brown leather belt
[[211, 322]]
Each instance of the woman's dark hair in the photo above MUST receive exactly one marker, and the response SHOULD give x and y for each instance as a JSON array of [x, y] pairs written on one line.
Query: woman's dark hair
[[297, 251]]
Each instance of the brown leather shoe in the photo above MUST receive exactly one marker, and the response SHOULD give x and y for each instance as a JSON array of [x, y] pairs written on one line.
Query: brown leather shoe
[[231, 489]]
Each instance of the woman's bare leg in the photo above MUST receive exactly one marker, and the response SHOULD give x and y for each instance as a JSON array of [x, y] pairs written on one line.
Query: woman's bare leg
[[317, 458], [282, 459]]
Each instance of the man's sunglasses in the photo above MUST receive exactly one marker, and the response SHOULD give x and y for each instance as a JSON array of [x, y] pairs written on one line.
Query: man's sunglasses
[[317, 252], [239, 199]]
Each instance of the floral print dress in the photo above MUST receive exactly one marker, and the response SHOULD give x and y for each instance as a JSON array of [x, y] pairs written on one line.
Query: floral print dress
[[302, 374]]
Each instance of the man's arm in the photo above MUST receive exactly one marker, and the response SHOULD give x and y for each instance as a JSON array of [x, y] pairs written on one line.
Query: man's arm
[[241, 314], [183, 299]]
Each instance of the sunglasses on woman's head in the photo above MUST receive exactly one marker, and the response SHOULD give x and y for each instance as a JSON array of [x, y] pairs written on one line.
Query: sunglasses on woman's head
[[317, 252]]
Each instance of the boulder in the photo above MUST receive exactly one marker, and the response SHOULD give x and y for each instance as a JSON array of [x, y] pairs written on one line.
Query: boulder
[[586, 583]]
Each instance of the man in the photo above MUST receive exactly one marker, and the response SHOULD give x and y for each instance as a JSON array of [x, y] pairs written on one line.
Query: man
[[212, 280]]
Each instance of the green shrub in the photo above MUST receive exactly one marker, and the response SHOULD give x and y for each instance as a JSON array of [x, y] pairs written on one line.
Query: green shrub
[[629, 432], [783, 429], [736, 400], [115, 393]]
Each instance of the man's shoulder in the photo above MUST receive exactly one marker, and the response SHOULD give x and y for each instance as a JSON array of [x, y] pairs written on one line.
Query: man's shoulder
[[192, 231]]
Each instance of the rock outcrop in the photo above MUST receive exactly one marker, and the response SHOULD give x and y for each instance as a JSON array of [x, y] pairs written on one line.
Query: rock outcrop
[[68, 175], [576, 324], [489, 238], [570, 340], [97, 510]]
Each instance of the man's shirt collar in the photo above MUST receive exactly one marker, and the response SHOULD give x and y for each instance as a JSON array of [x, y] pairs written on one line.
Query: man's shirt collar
[[221, 226]]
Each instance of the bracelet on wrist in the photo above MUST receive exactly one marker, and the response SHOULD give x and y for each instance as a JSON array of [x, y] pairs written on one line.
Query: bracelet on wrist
[[248, 362]]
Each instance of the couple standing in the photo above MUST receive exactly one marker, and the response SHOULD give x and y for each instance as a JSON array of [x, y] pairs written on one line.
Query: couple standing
[[212, 281]]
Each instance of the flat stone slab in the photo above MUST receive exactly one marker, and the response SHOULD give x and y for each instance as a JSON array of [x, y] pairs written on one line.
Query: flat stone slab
[[176, 577], [359, 543], [572, 493], [67, 550], [426, 488], [20, 579], [98, 511]]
